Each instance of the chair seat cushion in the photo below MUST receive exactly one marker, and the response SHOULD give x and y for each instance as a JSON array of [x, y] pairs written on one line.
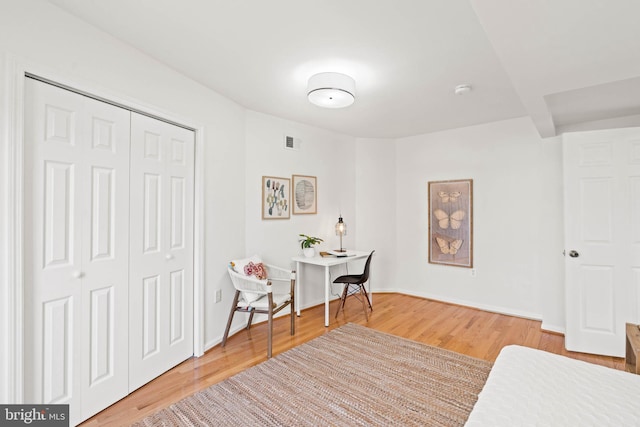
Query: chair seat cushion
[[349, 278], [263, 301]]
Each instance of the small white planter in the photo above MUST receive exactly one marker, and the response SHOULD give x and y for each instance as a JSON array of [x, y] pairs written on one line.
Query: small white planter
[[309, 252]]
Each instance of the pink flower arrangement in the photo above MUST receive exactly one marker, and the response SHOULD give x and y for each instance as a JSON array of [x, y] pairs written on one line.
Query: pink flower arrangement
[[257, 270]]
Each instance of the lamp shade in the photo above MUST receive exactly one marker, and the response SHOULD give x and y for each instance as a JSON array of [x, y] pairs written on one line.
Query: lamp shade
[[341, 227], [341, 230], [331, 90]]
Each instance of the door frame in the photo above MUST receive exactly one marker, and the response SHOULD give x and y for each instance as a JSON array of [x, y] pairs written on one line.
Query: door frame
[[12, 289]]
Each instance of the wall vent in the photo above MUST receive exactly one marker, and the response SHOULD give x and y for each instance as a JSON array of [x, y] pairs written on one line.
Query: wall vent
[[291, 143]]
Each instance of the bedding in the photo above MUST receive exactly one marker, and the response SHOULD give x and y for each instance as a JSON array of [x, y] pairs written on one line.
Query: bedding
[[528, 387]]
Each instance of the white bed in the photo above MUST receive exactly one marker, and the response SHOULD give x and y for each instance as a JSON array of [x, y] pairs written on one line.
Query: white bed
[[528, 387]]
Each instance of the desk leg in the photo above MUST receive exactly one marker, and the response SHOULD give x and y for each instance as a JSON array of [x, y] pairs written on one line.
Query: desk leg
[[326, 296], [298, 278]]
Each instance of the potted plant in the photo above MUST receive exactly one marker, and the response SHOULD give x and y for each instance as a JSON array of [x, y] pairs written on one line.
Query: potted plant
[[307, 242]]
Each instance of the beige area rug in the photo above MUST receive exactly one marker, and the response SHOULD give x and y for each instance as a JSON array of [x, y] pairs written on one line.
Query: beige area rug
[[351, 376]]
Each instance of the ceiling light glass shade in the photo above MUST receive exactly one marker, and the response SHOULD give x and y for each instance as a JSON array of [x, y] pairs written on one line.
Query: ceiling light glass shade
[[331, 90]]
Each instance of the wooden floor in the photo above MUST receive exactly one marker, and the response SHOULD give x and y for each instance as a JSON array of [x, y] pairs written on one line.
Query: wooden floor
[[465, 330]]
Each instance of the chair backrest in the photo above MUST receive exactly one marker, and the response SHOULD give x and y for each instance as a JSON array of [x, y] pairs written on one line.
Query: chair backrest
[[233, 275], [365, 274], [246, 284]]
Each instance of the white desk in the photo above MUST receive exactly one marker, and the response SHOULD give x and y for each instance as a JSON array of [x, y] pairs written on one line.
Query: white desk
[[325, 262]]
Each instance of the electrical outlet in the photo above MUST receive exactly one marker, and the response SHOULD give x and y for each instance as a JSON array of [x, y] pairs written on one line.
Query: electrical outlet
[[473, 272], [218, 295]]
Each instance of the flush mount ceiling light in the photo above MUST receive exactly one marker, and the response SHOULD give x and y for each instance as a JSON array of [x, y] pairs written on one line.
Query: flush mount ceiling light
[[331, 90]]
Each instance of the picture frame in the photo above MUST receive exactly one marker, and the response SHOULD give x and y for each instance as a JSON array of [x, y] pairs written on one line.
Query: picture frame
[[451, 222], [304, 194], [276, 197]]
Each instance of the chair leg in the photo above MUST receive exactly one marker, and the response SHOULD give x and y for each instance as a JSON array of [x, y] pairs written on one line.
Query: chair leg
[[250, 318], [347, 289], [364, 306], [233, 311], [293, 316], [293, 304], [270, 322], [367, 295], [342, 299]]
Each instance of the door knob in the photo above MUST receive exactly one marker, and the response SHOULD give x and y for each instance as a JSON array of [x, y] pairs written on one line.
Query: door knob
[[168, 257], [574, 254], [77, 274]]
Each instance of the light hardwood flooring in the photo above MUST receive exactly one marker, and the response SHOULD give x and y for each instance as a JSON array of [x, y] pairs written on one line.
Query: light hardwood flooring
[[465, 330]]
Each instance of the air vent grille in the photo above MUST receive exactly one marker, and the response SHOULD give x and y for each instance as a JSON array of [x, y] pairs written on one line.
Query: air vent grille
[[291, 143]]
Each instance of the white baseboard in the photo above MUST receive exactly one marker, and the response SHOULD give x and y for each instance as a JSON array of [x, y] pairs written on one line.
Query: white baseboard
[[214, 342], [485, 307], [552, 328]]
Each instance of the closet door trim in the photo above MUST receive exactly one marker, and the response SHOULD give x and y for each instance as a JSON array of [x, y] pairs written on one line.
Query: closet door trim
[[12, 224]]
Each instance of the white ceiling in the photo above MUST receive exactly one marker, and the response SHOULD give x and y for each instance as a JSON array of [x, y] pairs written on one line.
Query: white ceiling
[[564, 63]]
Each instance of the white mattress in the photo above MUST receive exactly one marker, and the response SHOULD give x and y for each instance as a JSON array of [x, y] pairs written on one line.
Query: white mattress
[[528, 387]]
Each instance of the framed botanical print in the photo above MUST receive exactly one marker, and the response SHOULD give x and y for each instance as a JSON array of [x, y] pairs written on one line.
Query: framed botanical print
[[305, 194], [451, 222], [275, 197]]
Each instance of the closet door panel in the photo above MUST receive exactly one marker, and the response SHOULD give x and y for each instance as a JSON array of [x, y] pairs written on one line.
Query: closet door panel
[[103, 218], [150, 316], [178, 207], [177, 308], [180, 176], [58, 214], [102, 327], [57, 348], [105, 256], [161, 274], [52, 245], [152, 183], [76, 249]]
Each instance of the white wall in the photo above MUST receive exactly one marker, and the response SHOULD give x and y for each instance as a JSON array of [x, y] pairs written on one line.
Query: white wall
[[46, 40], [376, 220], [323, 154], [517, 216]]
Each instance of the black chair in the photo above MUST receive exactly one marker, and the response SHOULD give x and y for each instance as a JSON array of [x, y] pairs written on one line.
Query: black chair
[[354, 286]]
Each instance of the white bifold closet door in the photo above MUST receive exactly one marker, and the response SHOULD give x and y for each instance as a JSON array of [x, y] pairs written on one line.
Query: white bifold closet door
[[161, 272], [108, 249], [76, 250]]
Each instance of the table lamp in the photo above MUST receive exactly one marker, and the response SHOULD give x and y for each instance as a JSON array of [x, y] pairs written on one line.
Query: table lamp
[[341, 230]]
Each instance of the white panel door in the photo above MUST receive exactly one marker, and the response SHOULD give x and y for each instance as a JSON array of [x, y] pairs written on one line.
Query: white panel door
[[161, 273], [76, 250], [602, 238]]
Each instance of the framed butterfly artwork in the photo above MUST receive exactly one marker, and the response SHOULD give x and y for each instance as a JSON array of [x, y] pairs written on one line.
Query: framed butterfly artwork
[[451, 222]]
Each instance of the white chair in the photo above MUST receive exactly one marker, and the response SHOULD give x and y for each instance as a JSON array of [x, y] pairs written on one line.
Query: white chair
[[267, 296]]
